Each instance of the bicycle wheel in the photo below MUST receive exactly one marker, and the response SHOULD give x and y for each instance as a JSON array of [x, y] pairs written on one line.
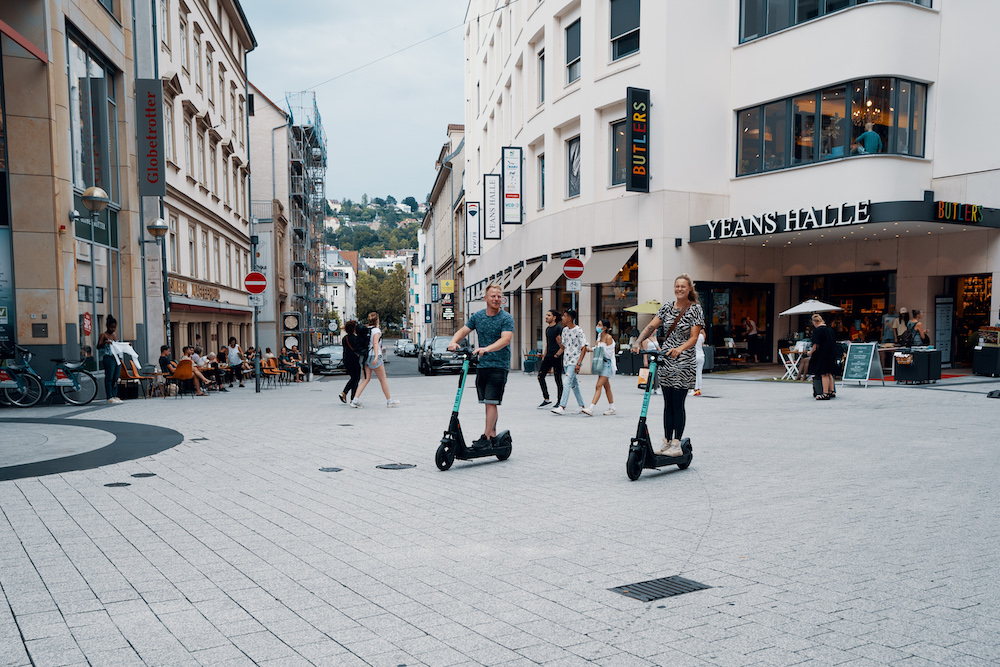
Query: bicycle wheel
[[29, 395], [85, 394]]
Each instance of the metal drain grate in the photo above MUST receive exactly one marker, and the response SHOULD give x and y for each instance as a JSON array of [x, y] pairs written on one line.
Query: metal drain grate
[[647, 591], [396, 466], [117, 484], [330, 469], [144, 474]]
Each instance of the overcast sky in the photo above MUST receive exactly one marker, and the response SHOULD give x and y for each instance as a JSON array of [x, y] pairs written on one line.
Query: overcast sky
[[386, 123]]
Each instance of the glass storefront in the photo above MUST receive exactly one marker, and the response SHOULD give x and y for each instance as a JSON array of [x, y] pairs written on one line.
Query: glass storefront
[[727, 304], [972, 311], [621, 293], [866, 299]]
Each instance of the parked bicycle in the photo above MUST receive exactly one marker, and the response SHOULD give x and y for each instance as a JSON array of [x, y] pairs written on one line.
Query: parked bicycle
[[22, 386]]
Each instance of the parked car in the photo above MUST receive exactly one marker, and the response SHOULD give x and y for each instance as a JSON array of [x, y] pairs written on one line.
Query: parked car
[[409, 349], [398, 349], [436, 358], [328, 360]]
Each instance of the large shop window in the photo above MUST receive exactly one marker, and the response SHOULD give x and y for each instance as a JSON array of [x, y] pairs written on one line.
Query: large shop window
[[624, 28], [864, 117], [763, 17]]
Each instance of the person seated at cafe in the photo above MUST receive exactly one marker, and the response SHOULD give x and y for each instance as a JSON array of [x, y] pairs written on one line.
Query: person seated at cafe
[[167, 366], [209, 367], [286, 363], [199, 379], [196, 356], [87, 356], [296, 358], [268, 354]]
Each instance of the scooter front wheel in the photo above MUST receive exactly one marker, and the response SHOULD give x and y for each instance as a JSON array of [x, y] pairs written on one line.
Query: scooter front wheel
[[636, 459], [445, 456]]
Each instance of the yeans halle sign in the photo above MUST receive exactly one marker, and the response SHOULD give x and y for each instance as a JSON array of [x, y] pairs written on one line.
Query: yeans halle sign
[[795, 220], [149, 137], [637, 140]]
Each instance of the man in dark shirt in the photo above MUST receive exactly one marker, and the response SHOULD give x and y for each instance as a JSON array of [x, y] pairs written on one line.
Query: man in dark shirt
[[553, 357], [166, 365]]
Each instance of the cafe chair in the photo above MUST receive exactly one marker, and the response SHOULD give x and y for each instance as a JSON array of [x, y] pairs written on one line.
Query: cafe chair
[[130, 374], [790, 364], [183, 375]]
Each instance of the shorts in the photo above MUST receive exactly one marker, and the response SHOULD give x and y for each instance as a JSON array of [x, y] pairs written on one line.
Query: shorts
[[373, 362], [606, 371], [490, 383]]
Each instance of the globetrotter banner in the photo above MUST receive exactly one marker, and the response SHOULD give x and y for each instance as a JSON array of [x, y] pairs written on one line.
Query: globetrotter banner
[[149, 137], [473, 236], [637, 140], [512, 176], [491, 207]]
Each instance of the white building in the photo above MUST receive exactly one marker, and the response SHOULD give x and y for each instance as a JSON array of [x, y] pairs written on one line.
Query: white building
[[339, 285], [761, 184]]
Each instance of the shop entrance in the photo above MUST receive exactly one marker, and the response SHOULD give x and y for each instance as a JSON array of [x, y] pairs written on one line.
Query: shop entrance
[[972, 311], [726, 305], [867, 298]]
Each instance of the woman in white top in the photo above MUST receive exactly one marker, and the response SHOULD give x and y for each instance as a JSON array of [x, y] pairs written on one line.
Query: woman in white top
[[606, 344], [699, 362], [375, 364]]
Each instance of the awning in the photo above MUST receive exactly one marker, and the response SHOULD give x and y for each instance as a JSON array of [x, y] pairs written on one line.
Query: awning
[[549, 275], [602, 267], [24, 42]]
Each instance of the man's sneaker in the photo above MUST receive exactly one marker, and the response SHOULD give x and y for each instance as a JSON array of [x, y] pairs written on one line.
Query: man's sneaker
[[355, 403], [391, 403], [610, 411], [482, 442], [587, 411], [577, 411], [544, 404], [558, 410]]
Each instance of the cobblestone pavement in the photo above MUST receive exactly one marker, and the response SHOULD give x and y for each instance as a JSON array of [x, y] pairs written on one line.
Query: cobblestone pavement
[[858, 531]]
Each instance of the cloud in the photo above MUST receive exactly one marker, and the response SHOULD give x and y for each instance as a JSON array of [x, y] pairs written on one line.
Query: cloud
[[385, 123]]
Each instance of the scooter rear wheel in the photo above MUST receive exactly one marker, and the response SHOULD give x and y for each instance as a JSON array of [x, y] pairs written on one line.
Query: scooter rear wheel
[[684, 466], [445, 456], [636, 459], [505, 454]]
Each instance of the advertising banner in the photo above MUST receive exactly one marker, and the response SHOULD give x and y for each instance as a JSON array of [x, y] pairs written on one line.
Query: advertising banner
[[149, 137], [512, 176], [491, 207], [473, 235], [637, 140]]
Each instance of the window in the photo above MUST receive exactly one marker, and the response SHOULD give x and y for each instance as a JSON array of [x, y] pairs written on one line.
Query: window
[[229, 264], [236, 191], [573, 167], [886, 115], [541, 76], [215, 252], [573, 52], [204, 255], [763, 17], [168, 128], [201, 158], [184, 45], [165, 22], [172, 242], [93, 127], [225, 183], [541, 181], [197, 59], [619, 165], [624, 28], [209, 74], [188, 164], [242, 124], [222, 91], [232, 107], [192, 259]]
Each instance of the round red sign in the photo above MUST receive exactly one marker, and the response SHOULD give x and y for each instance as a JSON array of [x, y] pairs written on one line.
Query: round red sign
[[255, 282], [573, 268]]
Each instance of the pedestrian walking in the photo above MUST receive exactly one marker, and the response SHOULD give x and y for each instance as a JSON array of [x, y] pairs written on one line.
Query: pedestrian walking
[[604, 349], [553, 357], [375, 365], [352, 360], [684, 320], [574, 342], [496, 330]]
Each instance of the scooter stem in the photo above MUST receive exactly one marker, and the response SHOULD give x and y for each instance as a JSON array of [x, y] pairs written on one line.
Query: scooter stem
[[461, 385]]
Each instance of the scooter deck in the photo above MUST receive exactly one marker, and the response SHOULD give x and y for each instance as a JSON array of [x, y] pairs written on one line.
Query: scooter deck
[[465, 453], [659, 461]]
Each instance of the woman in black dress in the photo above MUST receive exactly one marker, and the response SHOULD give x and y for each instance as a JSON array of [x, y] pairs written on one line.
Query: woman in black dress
[[352, 362], [823, 356]]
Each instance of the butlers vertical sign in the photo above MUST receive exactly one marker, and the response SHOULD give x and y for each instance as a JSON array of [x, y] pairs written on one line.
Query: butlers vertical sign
[[149, 137], [637, 140]]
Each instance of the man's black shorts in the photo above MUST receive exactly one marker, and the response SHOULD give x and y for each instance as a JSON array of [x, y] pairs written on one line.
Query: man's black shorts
[[490, 383]]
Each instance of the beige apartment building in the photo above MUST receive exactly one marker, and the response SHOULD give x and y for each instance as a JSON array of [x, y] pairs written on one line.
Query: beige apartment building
[[202, 63]]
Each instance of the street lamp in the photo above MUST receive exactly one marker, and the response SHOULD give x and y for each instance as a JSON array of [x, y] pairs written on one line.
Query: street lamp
[[158, 229], [96, 200]]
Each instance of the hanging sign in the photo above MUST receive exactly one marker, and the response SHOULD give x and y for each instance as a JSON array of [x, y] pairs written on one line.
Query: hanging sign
[[512, 185], [88, 324], [434, 292], [149, 137], [447, 286], [473, 236], [427, 313], [637, 139], [491, 207]]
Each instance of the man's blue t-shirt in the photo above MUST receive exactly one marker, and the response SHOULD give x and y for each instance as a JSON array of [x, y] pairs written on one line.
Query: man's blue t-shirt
[[490, 329]]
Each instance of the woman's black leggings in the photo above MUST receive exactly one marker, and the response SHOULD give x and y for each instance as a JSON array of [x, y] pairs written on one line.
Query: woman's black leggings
[[354, 370], [673, 412], [110, 375]]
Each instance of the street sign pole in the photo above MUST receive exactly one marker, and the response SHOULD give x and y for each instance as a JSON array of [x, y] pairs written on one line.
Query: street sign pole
[[253, 283], [572, 270]]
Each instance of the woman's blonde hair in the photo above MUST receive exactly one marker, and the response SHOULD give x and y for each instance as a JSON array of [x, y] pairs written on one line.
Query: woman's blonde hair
[[816, 317], [693, 294], [372, 318]]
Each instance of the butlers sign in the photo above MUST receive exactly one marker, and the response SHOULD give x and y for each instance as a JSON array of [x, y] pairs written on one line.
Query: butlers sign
[[794, 220]]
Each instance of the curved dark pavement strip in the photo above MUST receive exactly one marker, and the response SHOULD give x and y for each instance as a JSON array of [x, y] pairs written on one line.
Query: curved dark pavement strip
[[132, 441]]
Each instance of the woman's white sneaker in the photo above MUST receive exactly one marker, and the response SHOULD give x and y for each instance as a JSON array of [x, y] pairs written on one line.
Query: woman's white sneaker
[[610, 411]]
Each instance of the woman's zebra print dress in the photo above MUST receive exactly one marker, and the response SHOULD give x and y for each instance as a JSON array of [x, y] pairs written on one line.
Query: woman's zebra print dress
[[679, 373]]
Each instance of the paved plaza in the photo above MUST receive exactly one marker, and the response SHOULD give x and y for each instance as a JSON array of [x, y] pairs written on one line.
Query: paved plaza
[[858, 531]]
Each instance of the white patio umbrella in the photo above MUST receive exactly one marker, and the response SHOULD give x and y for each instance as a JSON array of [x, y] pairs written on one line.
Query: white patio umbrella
[[810, 306]]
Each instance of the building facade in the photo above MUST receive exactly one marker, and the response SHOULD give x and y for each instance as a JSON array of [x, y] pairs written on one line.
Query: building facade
[[769, 169]]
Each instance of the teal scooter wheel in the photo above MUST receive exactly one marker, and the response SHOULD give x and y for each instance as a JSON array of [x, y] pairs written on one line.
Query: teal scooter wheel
[[445, 456], [636, 459]]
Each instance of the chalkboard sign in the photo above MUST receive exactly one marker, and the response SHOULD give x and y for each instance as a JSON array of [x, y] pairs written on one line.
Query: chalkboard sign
[[862, 363]]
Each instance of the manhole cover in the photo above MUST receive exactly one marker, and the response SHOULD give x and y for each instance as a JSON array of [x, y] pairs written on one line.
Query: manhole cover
[[656, 589], [117, 484], [144, 474], [396, 466], [198, 439], [330, 469], [345, 424]]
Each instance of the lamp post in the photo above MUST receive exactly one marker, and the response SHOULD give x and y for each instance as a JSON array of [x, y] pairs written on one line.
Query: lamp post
[[158, 229], [96, 200]]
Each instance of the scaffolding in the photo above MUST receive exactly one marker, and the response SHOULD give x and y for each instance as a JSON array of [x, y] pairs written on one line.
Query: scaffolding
[[308, 208]]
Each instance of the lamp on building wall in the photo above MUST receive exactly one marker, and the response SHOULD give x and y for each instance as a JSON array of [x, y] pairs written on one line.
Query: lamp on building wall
[[158, 229]]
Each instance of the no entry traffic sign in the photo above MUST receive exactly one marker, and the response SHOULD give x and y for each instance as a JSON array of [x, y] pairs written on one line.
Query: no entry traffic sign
[[255, 282], [573, 268]]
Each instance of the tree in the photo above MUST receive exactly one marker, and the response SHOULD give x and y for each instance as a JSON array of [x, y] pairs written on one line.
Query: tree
[[383, 292], [364, 200], [378, 201], [412, 203], [390, 200]]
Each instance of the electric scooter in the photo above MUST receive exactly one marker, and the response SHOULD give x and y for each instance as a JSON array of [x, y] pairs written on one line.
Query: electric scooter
[[453, 443], [640, 452]]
